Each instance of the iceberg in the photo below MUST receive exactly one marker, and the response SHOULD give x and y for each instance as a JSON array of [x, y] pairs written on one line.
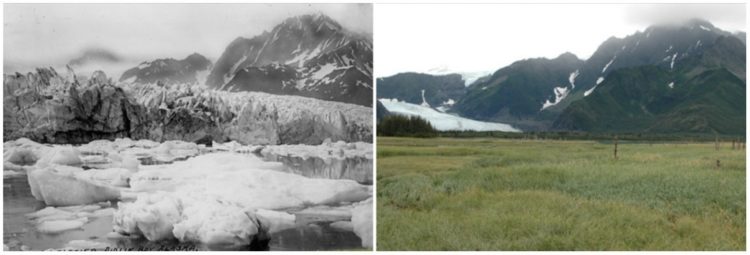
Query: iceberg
[[362, 222], [58, 186], [223, 199]]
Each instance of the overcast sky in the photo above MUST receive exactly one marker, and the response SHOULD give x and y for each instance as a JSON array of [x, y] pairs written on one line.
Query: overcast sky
[[49, 34], [486, 37]]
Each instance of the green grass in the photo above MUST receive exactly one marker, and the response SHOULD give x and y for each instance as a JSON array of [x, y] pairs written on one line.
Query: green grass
[[492, 194]]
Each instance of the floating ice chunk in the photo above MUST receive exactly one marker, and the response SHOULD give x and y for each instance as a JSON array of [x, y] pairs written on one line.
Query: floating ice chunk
[[215, 223], [57, 226], [21, 156], [23, 151], [56, 187], [61, 155], [275, 220], [362, 222], [81, 208], [117, 177], [85, 245], [174, 150], [213, 199], [146, 144], [47, 211], [152, 216]]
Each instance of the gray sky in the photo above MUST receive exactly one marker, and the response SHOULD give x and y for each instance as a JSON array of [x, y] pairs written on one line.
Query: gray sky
[[486, 37], [52, 34]]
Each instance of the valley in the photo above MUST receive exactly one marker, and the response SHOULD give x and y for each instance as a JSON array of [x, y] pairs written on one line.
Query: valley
[[482, 194]]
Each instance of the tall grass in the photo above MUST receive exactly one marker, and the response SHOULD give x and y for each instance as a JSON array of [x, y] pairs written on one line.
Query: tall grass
[[485, 194]]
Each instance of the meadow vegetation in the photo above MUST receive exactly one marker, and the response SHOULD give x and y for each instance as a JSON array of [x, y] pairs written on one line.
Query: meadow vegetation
[[511, 194]]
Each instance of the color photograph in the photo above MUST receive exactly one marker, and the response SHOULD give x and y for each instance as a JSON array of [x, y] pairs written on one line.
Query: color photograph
[[561, 127]]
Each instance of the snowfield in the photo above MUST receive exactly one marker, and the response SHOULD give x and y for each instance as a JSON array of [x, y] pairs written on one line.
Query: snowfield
[[443, 121]]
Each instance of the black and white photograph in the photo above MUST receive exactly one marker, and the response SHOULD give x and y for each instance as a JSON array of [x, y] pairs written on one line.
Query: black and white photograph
[[183, 127]]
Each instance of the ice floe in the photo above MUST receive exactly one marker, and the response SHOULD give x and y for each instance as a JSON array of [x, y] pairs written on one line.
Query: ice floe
[[362, 222], [217, 196], [60, 219]]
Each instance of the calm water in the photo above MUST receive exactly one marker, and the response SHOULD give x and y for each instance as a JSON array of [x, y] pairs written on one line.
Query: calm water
[[20, 232]]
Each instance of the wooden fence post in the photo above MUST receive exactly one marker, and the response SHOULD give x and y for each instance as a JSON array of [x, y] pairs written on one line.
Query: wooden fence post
[[615, 147]]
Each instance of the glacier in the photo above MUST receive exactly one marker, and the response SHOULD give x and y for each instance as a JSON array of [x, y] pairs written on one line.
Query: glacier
[[443, 121]]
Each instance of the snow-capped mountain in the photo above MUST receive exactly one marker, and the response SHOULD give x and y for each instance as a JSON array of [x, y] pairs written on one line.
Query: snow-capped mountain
[[531, 94], [519, 93], [703, 93], [468, 77], [95, 55], [310, 55], [439, 91], [192, 70], [660, 45]]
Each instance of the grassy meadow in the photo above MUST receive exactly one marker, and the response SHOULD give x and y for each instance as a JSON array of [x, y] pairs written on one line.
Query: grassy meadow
[[498, 194]]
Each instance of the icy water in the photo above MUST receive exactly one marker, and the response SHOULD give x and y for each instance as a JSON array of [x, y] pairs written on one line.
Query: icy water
[[19, 233], [358, 169]]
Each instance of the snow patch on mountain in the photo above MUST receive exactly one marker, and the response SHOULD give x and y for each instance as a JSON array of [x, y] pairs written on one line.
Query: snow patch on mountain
[[588, 92], [671, 85], [560, 94], [424, 100], [443, 121], [607, 65], [671, 65], [572, 78]]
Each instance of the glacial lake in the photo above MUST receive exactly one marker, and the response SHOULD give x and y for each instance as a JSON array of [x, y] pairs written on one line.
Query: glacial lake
[[20, 232]]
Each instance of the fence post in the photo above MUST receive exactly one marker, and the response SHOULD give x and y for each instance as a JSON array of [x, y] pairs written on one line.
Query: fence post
[[615, 147]]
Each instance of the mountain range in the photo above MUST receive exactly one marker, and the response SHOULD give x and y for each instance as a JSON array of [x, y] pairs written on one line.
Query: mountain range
[[668, 78], [309, 55]]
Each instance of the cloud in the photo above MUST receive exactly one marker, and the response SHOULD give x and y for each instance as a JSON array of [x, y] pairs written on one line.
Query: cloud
[[725, 16], [52, 34]]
